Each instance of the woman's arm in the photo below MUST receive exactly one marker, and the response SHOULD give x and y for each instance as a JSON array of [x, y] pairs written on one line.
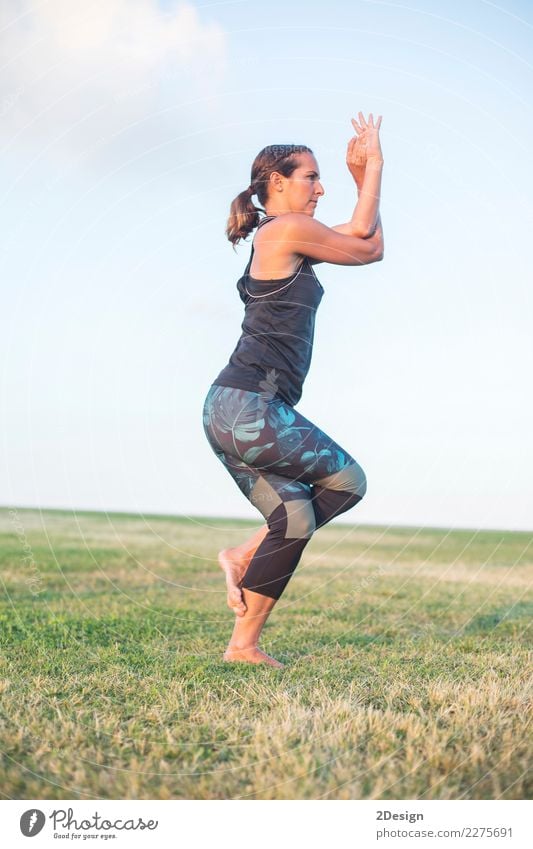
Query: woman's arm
[[364, 159], [305, 236], [360, 241], [364, 219], [345, 228]]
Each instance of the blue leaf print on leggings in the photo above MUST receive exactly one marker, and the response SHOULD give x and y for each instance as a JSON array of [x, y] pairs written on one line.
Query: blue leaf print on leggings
[[279, 415], [253, 453], [234, 413]]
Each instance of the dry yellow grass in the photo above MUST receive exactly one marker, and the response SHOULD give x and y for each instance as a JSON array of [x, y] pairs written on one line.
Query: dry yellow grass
[[408, 665]]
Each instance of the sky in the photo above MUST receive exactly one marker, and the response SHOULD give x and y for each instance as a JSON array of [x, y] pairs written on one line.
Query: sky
[[126, 129]]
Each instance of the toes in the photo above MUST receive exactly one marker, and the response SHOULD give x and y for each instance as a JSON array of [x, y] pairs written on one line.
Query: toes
[[236, 603], [234, 600], [238, 608]]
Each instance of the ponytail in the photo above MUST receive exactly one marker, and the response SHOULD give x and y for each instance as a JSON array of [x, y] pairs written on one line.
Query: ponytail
[[244, 215], [243, 218]]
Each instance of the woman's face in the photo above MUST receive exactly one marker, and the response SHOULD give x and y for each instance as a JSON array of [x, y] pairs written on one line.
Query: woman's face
[[301, 191]]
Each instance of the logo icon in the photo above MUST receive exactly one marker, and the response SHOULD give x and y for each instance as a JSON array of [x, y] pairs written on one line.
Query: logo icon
[[269, 386], [31, 822]]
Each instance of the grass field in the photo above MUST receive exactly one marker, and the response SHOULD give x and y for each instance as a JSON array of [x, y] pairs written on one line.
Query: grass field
[[408, 664]]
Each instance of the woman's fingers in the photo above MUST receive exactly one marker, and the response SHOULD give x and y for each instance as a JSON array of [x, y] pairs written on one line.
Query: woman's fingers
[[356, 150], [364, 125]]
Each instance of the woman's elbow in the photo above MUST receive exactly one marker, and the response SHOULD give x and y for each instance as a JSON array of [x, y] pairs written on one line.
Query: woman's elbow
[[375, 256], [362, 232], [372, 253], [379, 249]]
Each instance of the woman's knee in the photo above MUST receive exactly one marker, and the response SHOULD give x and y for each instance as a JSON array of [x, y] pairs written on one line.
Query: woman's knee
[[301, 520], [360, 484], [354, 479], [293, 519], [350, 479]]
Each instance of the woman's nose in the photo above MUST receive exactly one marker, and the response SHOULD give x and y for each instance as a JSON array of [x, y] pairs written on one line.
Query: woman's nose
[[320, 189]]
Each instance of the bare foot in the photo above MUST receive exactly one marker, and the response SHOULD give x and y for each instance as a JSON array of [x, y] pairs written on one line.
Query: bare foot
[[234, 569], [251, 655]]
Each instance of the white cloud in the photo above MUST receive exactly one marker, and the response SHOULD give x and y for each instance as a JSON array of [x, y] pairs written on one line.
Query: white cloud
[[75, 72]]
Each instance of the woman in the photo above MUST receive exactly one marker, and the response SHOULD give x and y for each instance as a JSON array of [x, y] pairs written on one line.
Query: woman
[[296, 475]]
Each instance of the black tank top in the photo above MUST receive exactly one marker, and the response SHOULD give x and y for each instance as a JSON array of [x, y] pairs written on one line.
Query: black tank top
[[274, 351]]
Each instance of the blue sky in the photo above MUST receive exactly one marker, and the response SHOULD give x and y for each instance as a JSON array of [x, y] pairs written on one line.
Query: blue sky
[[128, 126]]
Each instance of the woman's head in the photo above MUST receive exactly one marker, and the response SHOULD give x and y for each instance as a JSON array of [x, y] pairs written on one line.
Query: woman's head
[[282, 174]]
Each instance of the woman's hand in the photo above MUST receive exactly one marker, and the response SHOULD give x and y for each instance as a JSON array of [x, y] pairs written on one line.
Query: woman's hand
[[365, 146]]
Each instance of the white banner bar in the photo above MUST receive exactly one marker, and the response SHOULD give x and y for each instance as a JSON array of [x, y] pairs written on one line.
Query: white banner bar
[[268, 824]]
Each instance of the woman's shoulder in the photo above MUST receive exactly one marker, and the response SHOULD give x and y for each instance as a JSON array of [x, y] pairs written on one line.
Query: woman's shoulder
[[279, 226], [283, 219]]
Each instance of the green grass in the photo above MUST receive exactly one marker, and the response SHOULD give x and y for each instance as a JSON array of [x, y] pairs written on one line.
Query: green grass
[[408, 664]]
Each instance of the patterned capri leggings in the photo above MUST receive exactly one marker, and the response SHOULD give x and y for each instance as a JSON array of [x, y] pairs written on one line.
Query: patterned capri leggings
[[296, 476]]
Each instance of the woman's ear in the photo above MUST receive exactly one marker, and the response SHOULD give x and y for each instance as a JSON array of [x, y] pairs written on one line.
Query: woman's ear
[[276, 183]]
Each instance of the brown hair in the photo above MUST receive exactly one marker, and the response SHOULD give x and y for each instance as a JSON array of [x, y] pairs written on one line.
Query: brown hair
[[244, 215]]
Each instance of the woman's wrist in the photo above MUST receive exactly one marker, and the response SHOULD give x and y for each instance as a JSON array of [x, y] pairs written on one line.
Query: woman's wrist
[[358, 177], [373, 164]]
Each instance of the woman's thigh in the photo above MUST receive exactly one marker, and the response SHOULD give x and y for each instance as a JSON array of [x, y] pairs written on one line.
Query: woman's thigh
[[272, 437]]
